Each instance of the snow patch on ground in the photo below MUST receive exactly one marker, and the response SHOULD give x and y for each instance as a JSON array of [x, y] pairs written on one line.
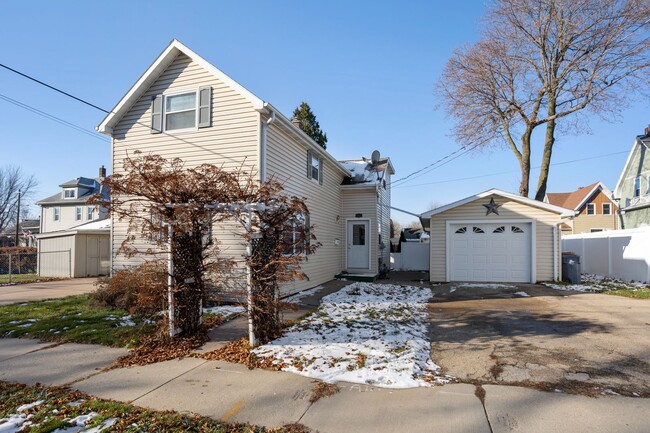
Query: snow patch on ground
[[365, 333], [523, 294], [127, 321], [592, 283], [225, 311], [15, 422], [294, 299]]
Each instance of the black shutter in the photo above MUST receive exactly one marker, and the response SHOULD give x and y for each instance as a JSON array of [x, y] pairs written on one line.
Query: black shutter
[[309, 164]]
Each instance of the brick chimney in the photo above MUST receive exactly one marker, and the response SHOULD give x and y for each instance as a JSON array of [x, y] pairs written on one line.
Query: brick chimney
[[647, 130], [102, 172], [297, 123]]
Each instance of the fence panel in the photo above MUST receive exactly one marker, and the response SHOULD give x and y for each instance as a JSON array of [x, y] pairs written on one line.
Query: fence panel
[[16, 266], [55, 264], [414, 257], [622, 254]]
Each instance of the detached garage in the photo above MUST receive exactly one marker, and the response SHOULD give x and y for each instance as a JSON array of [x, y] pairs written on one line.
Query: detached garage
[[495, 236]]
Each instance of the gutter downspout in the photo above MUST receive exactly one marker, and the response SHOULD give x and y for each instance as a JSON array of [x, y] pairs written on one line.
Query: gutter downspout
[[556, 228], [262, 161]]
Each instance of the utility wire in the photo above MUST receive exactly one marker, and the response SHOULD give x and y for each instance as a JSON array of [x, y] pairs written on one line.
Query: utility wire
[[53, 118], [55, 89], [510, 171]]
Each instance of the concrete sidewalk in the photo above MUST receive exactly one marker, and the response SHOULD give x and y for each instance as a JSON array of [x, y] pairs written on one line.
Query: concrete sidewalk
[[15, 293], [233, 393]]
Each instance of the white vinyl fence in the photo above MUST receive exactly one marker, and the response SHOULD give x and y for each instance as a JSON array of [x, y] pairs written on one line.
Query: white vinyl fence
[[622, 254], [414, 257]]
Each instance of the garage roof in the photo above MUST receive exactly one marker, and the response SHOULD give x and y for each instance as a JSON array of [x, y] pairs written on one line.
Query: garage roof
[[426, 216]]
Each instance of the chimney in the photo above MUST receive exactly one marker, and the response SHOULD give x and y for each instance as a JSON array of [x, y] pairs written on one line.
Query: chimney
[[647, 130], [297, 123], [102, 172]]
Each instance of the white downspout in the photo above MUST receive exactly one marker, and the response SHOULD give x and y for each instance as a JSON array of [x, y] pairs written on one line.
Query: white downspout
[[556, 248], [262, 162]]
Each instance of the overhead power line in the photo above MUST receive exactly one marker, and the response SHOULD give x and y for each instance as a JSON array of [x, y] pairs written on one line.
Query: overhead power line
[[54, 118], [54, 88]]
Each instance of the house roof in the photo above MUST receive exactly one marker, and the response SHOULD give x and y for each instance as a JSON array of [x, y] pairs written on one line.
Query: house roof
[[425, 216], [641, 140], [364, 171], [80, 182], [160, 65], [576, 200], [97, 187], [102, 226]]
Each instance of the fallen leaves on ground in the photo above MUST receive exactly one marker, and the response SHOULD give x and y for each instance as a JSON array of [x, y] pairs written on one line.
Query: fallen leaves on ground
[[239, 352], [160, 347]]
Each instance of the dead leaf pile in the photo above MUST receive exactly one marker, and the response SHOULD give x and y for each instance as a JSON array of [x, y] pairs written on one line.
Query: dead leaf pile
[[239, 352]]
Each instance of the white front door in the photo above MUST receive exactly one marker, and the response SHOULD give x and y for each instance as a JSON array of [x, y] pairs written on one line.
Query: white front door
[[358, 245], [499, 252]]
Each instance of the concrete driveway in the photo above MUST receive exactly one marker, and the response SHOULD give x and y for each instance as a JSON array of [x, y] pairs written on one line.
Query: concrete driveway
[[582, 343], [15, 293]]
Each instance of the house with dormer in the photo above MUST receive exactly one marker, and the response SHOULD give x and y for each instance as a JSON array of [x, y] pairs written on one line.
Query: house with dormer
[[184, 107], [633, 187], [74, 235]]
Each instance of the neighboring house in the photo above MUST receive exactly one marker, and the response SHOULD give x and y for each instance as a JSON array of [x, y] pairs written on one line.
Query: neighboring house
[[495, 236], [182, 106], [74, 238], [596, 210], [633, 187], [26, 232]]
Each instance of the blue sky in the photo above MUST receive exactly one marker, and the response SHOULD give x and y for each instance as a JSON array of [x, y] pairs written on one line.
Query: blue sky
[[368, 70]]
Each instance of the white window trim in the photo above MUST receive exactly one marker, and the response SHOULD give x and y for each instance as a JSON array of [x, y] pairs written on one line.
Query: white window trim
[[90, 213], [74, 193], [196, 110], [294, 232], [634, 188], [78, 213], [56, 213], [603, 208], [315, 158], [587, 209]]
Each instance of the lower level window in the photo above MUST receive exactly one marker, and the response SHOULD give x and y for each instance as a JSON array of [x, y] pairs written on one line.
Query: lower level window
[[296, 236]]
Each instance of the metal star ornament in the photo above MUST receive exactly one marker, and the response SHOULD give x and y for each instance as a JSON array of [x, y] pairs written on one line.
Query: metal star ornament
[[492, 207]]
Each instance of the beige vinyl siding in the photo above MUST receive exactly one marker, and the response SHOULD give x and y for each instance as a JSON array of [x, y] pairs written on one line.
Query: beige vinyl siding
[[66, 218], [286, 161], [584, 223], [360, 201], [231, 141], [544, 222]]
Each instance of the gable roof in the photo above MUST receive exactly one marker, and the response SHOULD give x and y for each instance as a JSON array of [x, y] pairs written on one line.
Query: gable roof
[[97, 187], [641, 140], [364, 171], [523, 200], [155, 70], [576, 200]]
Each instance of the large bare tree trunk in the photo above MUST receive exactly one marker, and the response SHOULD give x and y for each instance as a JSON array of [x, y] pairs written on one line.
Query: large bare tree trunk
[[546, 160], [524, 162]]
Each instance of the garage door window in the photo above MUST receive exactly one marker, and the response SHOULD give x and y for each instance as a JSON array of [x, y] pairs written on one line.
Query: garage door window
[[461, 230], [516, 229], [477, 230], [499, 229]]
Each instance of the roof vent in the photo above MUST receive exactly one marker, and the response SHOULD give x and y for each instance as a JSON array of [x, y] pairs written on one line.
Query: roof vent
[[375, 157]]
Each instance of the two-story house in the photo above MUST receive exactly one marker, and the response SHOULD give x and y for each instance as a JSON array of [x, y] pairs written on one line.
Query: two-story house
[[184, 107], [74, 235], [633, 187], [594, 206]]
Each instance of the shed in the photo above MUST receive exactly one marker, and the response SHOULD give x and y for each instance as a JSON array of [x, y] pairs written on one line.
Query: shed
[[81, 251], [495, 236]]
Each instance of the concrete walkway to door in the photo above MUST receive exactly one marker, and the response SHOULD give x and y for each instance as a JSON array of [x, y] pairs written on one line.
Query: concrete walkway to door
[[15, 293]]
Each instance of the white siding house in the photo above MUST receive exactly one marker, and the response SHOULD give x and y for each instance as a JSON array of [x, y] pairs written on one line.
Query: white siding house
[[184, 107]]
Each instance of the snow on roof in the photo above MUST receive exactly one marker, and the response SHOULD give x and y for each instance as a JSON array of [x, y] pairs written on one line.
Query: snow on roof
[[364, 171], [100, 225]]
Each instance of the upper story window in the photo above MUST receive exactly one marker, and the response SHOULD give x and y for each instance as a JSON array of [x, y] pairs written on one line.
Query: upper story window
[[607, 208], [57, 213], [637, 186], [182, 111], [89, 213], [591, 209], [78, 213], [69, 193], [314, 167]]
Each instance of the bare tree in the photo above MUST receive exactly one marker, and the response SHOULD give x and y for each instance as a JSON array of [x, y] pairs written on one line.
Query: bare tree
[[541, 62], [12, 180]]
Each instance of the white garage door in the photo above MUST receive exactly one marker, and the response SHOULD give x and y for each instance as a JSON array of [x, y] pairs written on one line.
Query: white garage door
[[490, 252]]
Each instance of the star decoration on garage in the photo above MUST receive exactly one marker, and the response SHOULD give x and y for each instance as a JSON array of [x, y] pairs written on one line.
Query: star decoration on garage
[[492, 207]]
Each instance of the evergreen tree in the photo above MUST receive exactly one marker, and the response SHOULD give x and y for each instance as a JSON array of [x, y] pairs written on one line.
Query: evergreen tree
[[309, 124]]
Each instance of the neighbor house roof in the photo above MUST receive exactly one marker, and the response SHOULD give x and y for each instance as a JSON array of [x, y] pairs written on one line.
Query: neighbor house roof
[[102, 226], [424, 217], [83, 182], [576, 200], [641, 140], [160, 65], [83, 198], [364, 171]]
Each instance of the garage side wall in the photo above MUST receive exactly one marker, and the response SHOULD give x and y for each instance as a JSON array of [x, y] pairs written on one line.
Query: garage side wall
[[544, 222]]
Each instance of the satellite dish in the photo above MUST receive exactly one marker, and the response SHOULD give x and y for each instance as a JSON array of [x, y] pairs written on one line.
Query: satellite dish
[[375, 157]]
